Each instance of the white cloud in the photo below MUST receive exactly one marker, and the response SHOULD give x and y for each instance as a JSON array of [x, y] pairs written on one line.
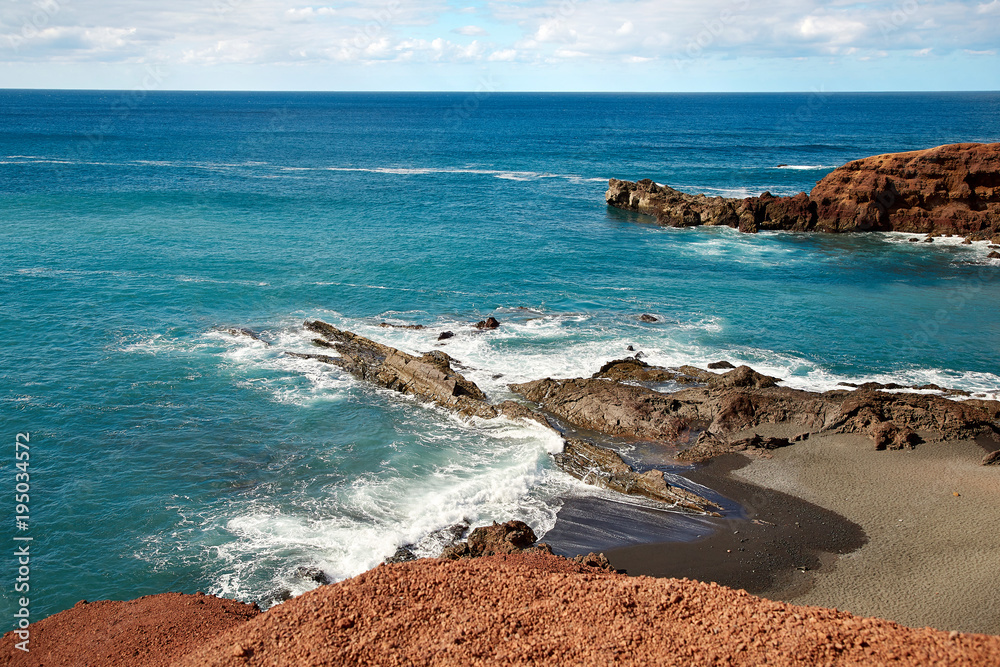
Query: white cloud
[[504, 55], [471, 31], [373, 31]]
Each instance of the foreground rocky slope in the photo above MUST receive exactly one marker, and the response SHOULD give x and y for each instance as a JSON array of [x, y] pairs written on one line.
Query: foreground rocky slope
[[501, 610], [147, 632], [952, 189]]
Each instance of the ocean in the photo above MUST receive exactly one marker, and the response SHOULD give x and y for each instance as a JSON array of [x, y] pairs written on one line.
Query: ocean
[[169, 455]]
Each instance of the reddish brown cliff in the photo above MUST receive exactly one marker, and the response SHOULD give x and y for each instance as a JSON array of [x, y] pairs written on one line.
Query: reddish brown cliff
[[953, 189]]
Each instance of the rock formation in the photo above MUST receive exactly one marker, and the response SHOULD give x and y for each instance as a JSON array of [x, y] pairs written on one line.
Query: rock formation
[[512, 537], [432, 378], [605, 468], [741, 399], [953, 189]]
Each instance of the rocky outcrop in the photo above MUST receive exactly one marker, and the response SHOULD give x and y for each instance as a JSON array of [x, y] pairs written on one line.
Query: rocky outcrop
[[633, 369], [742, 399], [610, 407], [606, 469], [732, 401], [710, 445], [512, 537], [868, 411], [952, 189], [430, 376]]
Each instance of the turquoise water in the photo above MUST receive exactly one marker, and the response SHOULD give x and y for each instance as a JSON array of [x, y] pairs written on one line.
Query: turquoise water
[[169, 455]]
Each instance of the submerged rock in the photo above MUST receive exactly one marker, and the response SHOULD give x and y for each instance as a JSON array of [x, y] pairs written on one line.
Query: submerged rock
[[488, 323], [246, 333], [605, 468]]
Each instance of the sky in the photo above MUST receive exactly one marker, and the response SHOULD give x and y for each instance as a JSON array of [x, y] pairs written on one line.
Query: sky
[[521, 45]]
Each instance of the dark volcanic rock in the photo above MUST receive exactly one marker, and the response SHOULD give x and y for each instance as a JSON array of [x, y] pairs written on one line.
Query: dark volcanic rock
[[635, 370], [716, 365], [513, 537], [445, 335], [430, 376], [865, 411], [744, 376], [599, 561], [743, 399], [672, 207], [710, 445], [890, 435], [646, 317], [404, 554], [605, 468], [953, 189], [488, 323], [609, 407], [387, 325], [994, 255], [313, 573], [246, 333]]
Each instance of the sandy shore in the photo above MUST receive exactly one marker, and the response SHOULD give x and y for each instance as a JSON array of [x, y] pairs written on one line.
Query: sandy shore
[[931, 517]]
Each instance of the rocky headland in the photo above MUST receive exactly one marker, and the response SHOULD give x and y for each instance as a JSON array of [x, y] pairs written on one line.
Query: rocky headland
[[947, 190]]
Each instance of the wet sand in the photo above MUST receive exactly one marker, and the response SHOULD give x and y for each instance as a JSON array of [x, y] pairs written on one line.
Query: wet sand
[[767, 542]]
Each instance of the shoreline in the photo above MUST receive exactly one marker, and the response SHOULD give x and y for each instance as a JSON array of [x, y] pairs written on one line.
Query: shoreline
[[830, 522], [771, 545]]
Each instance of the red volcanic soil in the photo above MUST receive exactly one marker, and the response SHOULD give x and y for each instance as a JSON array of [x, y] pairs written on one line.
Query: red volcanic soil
[[151, 631], [494, 610]]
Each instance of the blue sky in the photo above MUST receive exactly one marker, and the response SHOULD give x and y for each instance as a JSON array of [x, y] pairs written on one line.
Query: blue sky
[[548, 45]]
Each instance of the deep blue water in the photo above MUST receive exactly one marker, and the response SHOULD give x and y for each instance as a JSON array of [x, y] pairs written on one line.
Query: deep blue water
[[168, 455]]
